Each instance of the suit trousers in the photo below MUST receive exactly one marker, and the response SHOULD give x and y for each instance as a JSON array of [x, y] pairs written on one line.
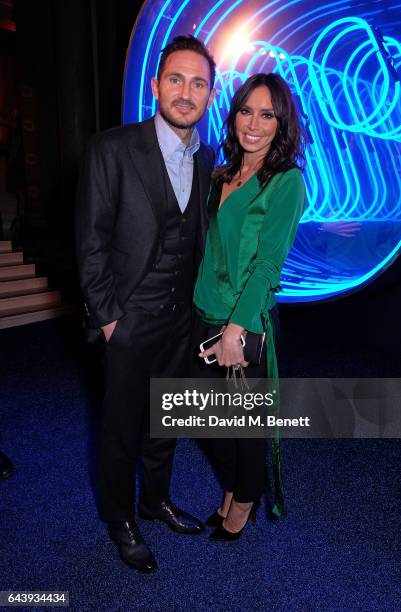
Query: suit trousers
[[142, 346], [240, 463]]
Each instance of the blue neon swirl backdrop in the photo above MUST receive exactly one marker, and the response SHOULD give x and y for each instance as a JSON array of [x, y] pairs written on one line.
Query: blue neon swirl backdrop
[[342, 61]]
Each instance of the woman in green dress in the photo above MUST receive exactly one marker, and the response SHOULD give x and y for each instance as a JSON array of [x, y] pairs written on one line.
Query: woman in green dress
[[255, 204]]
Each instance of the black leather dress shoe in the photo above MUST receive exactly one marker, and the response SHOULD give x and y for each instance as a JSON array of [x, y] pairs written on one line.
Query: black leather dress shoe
[[178, 520], [6, 467], [131, 546]]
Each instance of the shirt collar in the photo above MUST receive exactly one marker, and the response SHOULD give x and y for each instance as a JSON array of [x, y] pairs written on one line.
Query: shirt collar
[[170, 143]]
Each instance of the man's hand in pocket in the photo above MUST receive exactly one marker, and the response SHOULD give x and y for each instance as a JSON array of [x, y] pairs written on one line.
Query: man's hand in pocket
[[108, 330]]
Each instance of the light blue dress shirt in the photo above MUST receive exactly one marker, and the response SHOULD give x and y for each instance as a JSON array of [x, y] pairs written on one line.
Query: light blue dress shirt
[[179, 159]]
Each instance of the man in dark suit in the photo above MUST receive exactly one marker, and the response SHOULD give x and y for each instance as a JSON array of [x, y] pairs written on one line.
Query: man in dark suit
[[141, 224]]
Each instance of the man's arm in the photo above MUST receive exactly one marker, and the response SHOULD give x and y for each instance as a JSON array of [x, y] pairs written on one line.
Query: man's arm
[[95, 215]]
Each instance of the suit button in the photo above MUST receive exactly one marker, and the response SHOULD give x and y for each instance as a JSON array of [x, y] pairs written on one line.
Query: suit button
[[172, 289], [161, 306]]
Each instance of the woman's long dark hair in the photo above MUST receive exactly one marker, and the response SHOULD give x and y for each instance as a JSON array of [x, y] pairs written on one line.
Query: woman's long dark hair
[[286, 149]]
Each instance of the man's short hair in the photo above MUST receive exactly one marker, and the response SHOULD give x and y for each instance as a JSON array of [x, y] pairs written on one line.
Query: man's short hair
[[187, 43]]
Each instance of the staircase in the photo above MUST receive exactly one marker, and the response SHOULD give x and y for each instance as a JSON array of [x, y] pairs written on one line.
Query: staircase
[[24, 297]]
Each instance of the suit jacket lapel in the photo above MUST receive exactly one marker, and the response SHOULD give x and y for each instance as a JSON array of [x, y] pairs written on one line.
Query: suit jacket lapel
[[148, 160], [203, 167]]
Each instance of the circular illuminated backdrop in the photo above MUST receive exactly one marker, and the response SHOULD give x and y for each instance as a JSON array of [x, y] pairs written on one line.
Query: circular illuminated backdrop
[[343, 64]]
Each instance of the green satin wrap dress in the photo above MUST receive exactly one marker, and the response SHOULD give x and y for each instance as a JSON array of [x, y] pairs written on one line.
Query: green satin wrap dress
[[248, 240]]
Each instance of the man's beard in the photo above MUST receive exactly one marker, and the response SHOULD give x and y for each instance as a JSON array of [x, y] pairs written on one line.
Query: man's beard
[[175, 124]]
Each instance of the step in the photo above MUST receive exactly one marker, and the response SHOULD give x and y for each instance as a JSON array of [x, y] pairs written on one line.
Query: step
[[35, 317], [5, 246], [23, 286], [11, 259], [16, 272], [29, 303]]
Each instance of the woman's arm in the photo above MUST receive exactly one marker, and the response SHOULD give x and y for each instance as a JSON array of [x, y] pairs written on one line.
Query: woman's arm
[[276, 238]]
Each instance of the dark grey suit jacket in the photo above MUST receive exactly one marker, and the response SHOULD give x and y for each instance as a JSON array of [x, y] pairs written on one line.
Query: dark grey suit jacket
[[120, 215]]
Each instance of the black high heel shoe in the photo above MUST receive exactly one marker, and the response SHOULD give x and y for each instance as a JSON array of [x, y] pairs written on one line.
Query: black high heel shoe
[[221, 534], [215, 520]]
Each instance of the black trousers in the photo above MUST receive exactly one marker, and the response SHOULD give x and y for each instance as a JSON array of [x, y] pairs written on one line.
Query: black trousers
[[239, 462], [142, 346]]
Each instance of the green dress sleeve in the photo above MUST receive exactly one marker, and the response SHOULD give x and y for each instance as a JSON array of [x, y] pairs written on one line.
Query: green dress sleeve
[[283, 212]]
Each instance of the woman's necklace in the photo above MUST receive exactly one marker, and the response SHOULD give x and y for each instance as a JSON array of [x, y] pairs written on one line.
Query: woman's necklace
[[242, 179]]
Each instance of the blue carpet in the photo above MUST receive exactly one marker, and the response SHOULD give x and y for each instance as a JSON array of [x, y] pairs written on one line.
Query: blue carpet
[[338, 549]]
